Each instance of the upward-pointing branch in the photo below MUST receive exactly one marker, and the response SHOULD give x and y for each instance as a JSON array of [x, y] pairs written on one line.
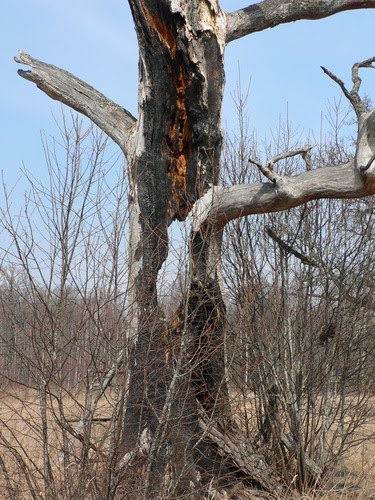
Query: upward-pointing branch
[[62, 86], [353, 96], [270, 13]]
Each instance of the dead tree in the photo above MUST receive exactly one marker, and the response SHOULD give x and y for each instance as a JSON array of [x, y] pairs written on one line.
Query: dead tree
[[177, 425]]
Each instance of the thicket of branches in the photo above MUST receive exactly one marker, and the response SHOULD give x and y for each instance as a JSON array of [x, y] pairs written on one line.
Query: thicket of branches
[[299, 338], [301, 289]]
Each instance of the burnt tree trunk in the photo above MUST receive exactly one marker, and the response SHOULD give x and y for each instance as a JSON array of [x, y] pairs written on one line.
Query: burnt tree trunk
[[175, 160]]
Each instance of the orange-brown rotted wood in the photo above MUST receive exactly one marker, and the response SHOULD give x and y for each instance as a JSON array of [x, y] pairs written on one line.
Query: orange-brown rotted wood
[[182, 62]]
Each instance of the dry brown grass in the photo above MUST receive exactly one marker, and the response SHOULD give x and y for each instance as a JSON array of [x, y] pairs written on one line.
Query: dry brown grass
[[21, 441], [354, 476]]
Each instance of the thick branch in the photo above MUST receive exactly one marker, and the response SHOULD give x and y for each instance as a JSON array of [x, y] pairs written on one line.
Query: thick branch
[[270, 13], [355, 179], [365, 154], [233, 444], [222, 204], [62, 86]]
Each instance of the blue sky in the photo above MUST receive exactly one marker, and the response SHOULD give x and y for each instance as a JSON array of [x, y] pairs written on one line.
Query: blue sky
[[95, 40]]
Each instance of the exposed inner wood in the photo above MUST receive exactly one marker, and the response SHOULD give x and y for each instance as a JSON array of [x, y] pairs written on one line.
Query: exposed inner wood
[[178, 140]]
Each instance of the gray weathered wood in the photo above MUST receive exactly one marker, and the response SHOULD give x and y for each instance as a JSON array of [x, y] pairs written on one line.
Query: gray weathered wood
[[271, 13], [222, 204], [62, 86]]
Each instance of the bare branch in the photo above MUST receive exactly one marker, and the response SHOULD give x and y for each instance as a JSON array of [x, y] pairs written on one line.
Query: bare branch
[[368, 63], [289, 154], [222, 204], [267, 170], [305, 259], [353, 95], [271, 13], [339, 82], [62, 86]]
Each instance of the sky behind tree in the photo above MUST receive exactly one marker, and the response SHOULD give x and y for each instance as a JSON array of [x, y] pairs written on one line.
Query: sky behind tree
[[95, 41]]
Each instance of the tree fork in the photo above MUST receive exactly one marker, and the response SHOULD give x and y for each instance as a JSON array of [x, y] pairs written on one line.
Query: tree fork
[[175, 160]]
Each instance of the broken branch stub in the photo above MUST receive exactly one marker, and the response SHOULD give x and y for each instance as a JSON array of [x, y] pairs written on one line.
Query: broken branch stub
[[62, 86]]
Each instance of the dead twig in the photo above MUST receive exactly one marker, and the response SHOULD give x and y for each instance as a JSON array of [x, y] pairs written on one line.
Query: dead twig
[[289, 249], [353, 95], [267, 170]]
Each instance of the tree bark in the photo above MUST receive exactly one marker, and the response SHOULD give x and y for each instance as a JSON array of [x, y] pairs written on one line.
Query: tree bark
[[175, 160]]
